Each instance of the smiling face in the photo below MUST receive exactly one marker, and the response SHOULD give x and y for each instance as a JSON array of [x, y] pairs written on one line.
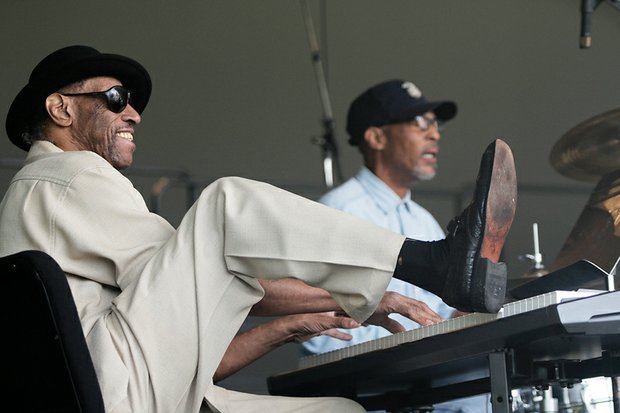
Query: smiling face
[[404, 153], [94, 127]]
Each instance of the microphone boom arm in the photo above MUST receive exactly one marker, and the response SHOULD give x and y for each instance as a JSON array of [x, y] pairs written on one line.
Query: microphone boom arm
[[329, 149]]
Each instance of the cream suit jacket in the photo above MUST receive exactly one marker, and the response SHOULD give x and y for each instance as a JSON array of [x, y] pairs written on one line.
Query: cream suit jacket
[[159, 306]]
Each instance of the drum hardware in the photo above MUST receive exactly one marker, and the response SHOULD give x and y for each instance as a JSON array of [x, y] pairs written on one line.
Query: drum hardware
[[329, 149], [590, 150], [538, 268], [596, 234], [527, 400], [556, 398]]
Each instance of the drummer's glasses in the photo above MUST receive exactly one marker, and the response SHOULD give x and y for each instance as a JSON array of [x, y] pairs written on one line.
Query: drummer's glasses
[[116, 98], [424, 123]]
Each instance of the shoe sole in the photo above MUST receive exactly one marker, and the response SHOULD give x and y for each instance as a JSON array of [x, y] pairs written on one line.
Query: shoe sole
[[499, 215], [501, 202]]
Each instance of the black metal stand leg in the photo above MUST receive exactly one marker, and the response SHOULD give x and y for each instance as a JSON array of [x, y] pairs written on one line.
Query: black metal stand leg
[[500, 391], [615, 392]]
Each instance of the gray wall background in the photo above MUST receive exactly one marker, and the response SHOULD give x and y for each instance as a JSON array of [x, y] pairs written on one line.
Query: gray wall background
[[235, 93]]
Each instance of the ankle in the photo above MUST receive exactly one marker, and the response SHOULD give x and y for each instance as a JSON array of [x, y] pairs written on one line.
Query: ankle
[[424, 264]]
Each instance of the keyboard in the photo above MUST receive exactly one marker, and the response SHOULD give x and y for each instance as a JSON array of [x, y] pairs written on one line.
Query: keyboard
[[560, 337], [446, 326]]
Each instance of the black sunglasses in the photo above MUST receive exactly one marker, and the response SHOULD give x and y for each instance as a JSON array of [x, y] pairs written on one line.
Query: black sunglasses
[[117, 98]]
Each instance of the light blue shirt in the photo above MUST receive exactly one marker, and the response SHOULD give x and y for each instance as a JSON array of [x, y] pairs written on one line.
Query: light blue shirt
[[368, 197]]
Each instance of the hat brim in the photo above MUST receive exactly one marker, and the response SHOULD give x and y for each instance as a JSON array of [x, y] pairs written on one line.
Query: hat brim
[[31, 98], [443, 110]]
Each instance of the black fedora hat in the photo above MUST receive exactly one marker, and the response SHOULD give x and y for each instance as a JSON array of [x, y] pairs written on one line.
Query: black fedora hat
[[67, 65]]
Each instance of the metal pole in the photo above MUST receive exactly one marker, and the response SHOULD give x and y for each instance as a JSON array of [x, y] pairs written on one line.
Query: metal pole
[[615, 392], [329, 149], [500, 390]]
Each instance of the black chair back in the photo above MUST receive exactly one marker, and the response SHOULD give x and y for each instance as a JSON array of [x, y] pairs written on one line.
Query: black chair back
[[47, 365]]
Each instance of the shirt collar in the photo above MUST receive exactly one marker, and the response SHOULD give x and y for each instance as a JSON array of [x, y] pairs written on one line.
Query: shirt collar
[[384, 197], [40, 148]]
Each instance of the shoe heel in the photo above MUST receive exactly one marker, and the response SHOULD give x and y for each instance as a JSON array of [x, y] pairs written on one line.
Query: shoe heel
[[491, 284]]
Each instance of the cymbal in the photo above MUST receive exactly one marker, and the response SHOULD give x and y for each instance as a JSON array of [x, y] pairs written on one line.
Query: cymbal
[[590, 149]]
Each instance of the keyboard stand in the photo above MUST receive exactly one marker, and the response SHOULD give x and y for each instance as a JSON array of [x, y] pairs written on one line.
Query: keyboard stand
[[500, 389]]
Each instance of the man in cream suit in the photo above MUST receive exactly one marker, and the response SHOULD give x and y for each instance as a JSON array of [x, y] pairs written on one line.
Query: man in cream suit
[[159, 306]]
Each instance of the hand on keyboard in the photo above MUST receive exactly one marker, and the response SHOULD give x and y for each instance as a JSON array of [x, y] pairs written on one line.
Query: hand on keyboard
[[394, 302], [302, 327]]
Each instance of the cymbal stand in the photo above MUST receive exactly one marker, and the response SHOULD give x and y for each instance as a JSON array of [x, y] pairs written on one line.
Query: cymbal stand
[[538, 268]]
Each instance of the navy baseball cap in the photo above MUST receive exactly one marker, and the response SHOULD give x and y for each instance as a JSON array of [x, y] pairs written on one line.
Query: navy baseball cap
[[393, 101]]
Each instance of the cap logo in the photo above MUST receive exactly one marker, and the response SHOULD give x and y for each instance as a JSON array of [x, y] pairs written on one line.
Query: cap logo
[[412, 90]]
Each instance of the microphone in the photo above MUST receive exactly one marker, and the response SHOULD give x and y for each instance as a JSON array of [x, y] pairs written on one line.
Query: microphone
[[587, 8]]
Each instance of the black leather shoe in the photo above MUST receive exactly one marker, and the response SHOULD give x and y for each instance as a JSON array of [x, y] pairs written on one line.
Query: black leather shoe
[[476, 281]]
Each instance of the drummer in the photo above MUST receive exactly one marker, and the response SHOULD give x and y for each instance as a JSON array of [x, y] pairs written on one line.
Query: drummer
[[397, 132]]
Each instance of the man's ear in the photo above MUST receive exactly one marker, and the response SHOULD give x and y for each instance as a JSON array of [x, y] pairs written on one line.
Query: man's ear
[[56, 107], [375, 138]]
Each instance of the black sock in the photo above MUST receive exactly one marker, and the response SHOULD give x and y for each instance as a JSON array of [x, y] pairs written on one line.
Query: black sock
[[423, 263]]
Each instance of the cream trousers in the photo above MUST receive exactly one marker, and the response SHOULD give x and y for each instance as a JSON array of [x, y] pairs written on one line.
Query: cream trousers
[[172, 326]]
